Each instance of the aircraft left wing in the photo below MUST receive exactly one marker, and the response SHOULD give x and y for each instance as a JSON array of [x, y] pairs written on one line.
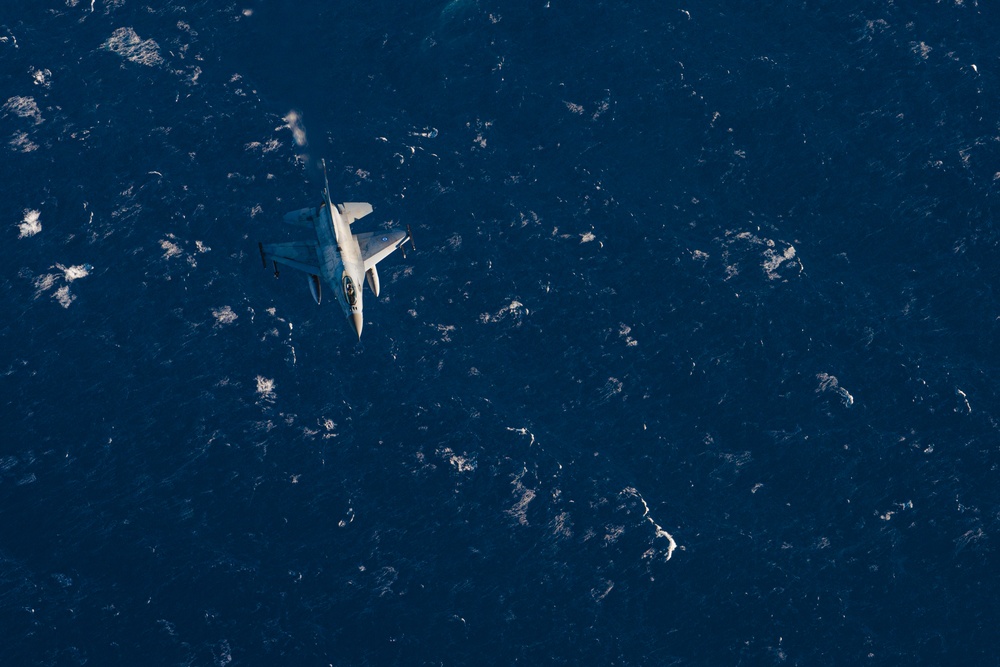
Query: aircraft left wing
[[301, 255], [376, 246], [304, 217]]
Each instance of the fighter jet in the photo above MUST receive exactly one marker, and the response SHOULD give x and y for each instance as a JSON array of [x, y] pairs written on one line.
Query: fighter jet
[[336, 256]]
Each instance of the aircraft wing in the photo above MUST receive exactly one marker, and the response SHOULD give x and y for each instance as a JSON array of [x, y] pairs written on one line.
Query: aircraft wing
[[354, 210], [301, 255], [304, 217], [376, 246]]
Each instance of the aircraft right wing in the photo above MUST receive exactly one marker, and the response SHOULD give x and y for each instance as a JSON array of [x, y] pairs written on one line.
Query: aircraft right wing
[[301, 255], [376, 246]]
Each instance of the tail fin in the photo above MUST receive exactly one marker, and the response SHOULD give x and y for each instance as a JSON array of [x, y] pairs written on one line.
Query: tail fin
[[326, 184]]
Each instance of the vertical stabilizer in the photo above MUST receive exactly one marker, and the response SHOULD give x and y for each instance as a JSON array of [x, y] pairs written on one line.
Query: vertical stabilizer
[[332, 211], [326, 186]]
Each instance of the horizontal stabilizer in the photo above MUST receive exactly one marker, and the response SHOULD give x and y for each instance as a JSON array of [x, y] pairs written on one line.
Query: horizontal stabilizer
[[304, 217], [354, 210]]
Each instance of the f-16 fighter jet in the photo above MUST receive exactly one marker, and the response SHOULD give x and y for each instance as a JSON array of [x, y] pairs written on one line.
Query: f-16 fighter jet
[[336, 256]]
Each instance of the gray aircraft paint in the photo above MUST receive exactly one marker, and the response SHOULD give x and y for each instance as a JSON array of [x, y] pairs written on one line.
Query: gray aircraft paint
[[337, 256]]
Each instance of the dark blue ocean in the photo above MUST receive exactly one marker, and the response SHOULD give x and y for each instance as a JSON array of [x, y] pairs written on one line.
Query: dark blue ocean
[[695, 362]]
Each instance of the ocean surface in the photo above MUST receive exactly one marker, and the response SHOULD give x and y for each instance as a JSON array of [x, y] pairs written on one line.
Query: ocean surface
[[695, 363]]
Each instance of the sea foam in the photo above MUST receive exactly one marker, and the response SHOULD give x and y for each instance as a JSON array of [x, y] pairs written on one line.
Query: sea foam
[[30, 225], [126, 43]]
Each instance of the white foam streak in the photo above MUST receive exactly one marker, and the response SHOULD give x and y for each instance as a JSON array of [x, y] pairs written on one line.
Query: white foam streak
[[525, 496], [523, 431], [671, 544], [965, 400]]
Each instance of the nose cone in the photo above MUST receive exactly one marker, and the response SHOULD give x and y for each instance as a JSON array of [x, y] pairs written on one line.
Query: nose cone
[[358, 322]]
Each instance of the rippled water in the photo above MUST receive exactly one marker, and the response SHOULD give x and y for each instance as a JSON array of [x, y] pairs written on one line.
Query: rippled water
[[694, 364]]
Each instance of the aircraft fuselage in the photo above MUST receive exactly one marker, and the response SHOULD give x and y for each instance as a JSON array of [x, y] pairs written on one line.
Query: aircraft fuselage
[[342, 265], [340, 258]]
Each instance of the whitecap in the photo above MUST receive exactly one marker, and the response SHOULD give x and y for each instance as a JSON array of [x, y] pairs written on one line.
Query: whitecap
[[562, 525], [72, 273], [445, 330], [31, 225], [965, 400], [774, 259], [599, 594], [20, 142], [47, 281], [612, 387], [24, 107], [224, 315], [127, 44], [602, 108], [63, 296], [269, 146], [461, 463], [614, 532], [44, 283], [624, 330], [9, 37], [41, 77], [524, 497], [265, 388], [830, 383], [515, 309], [170, 249], [921, 49]]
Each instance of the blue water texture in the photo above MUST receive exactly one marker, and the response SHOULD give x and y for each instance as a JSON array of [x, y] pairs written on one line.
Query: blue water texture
[[695, 362]]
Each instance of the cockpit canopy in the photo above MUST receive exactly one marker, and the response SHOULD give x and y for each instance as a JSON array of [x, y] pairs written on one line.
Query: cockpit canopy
[[350, 292]]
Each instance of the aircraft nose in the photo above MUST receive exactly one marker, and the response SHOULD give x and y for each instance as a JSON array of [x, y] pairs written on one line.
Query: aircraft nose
[[358, 322]]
